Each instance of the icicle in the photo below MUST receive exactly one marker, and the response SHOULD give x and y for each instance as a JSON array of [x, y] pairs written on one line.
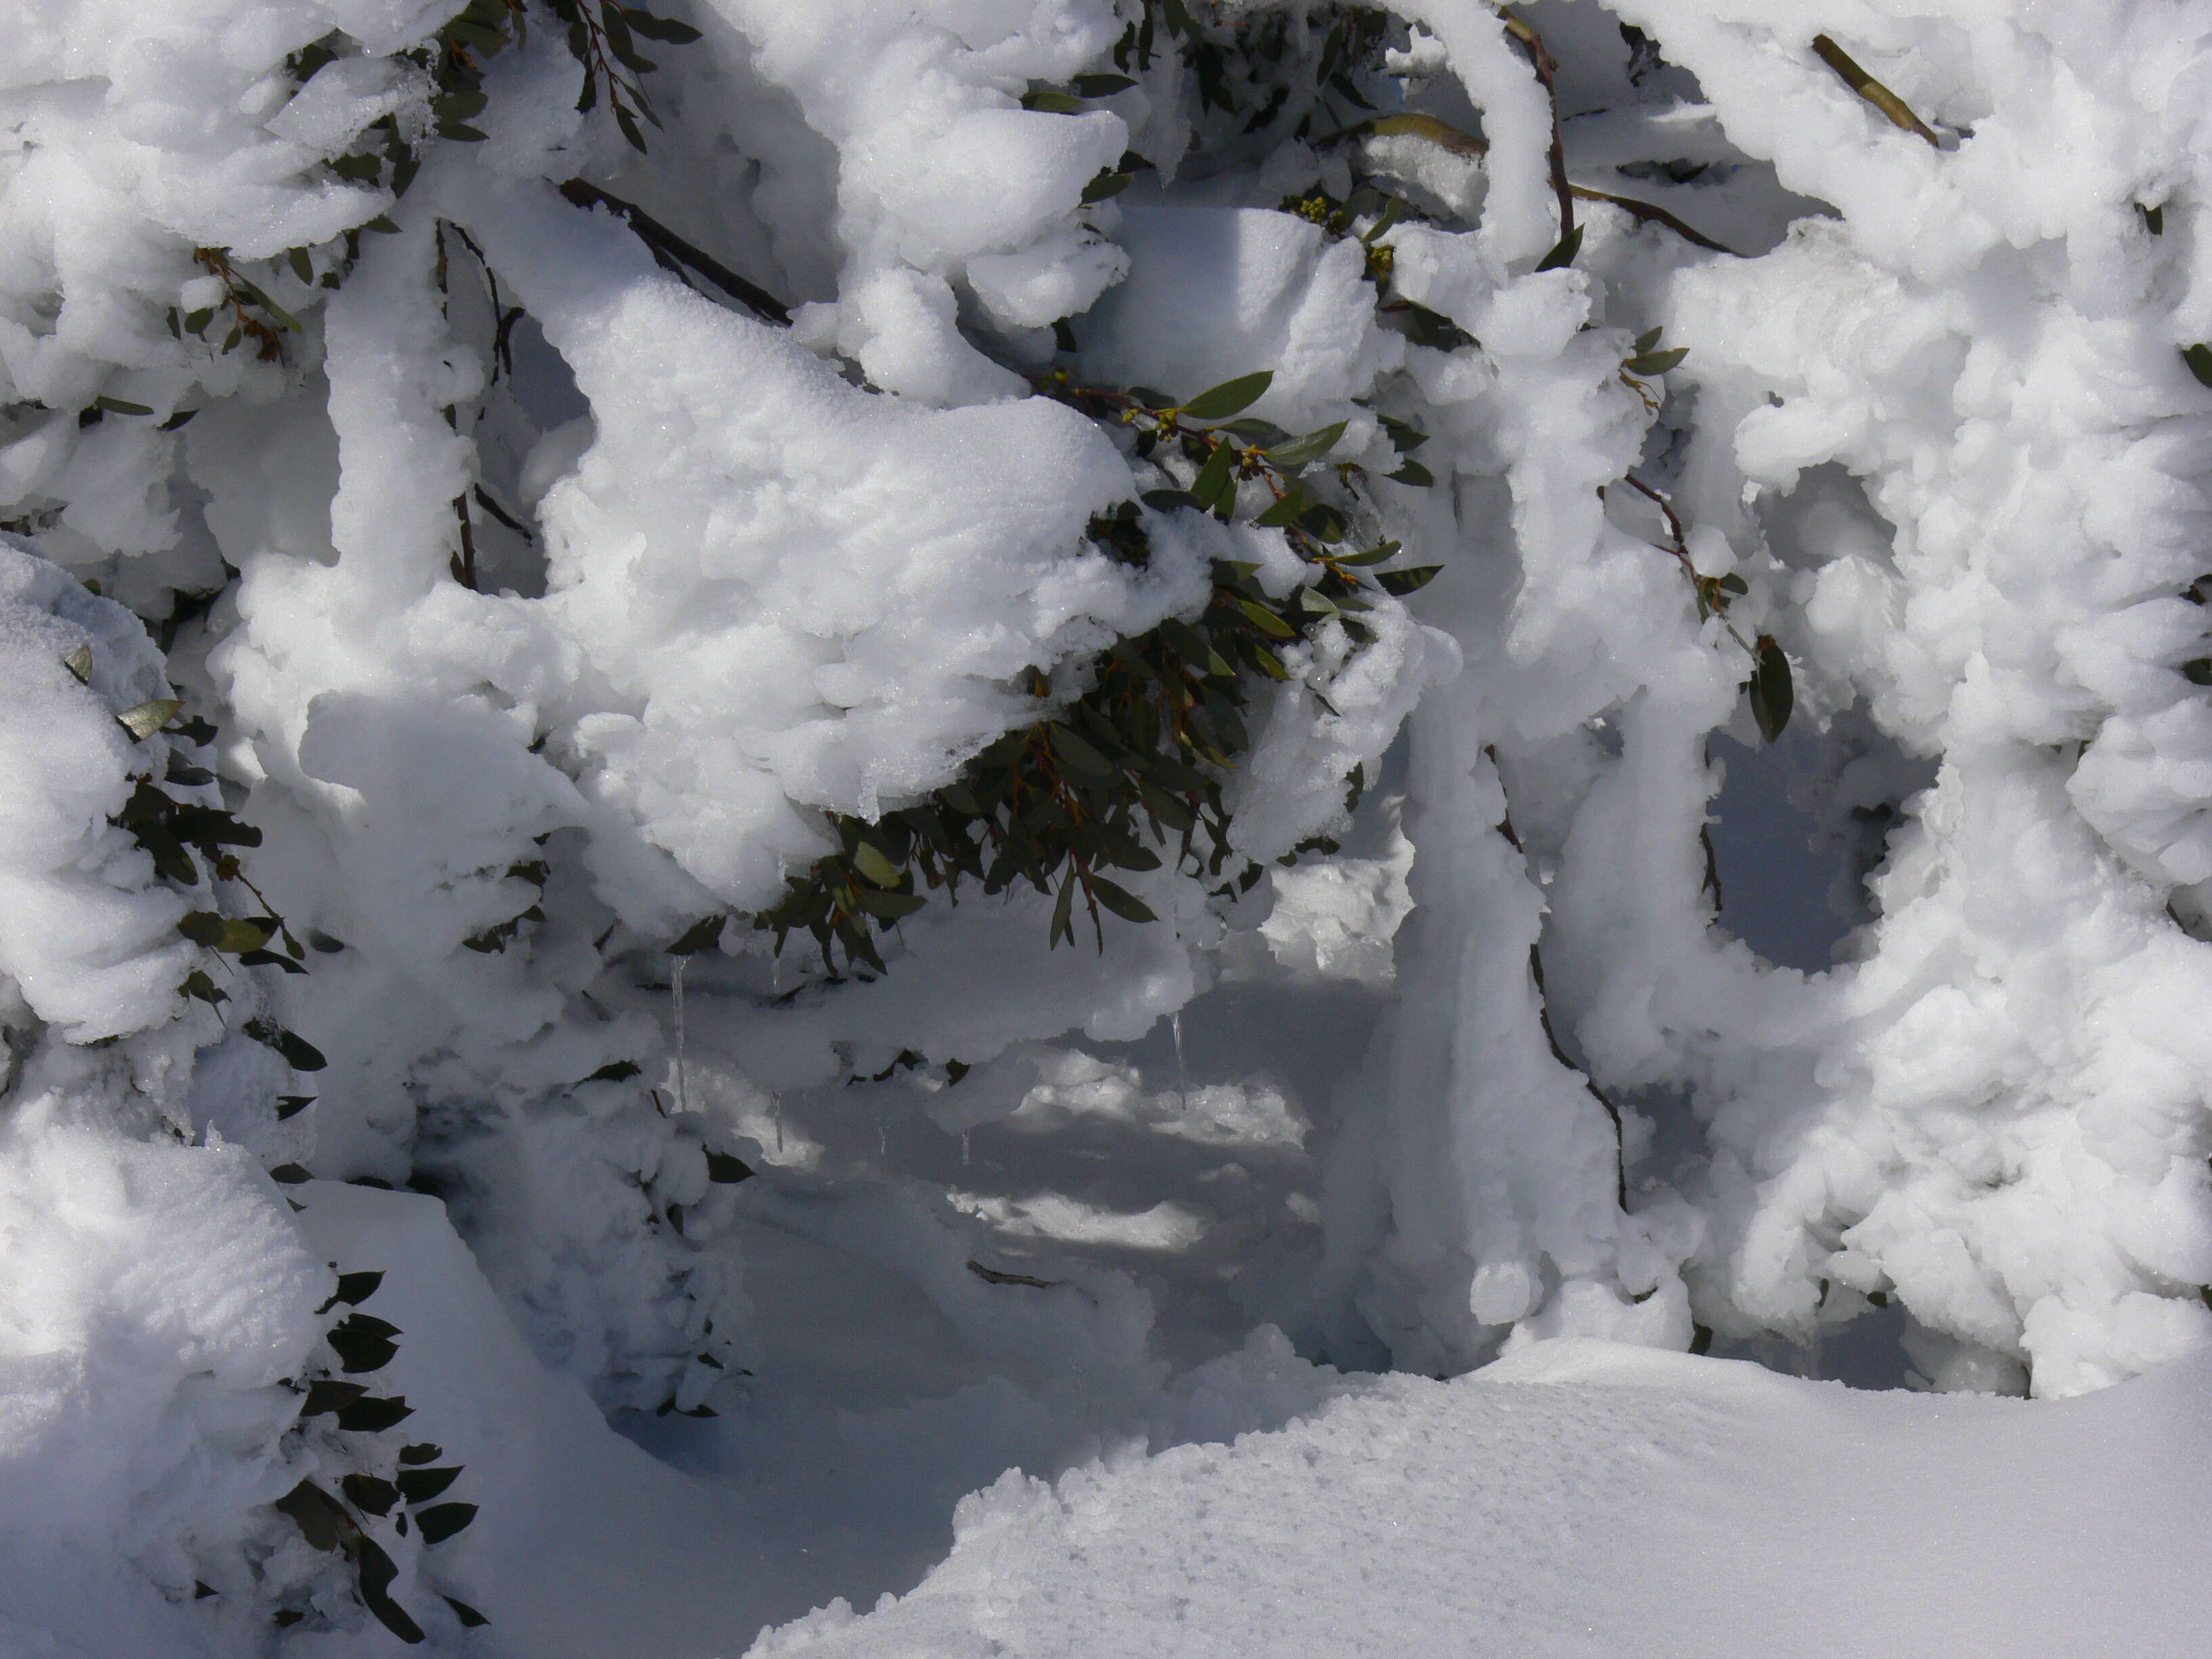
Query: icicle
[[675, 988]]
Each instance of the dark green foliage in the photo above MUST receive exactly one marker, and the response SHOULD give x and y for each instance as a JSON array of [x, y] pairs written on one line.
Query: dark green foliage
[[1132, 767], [1771, 696]]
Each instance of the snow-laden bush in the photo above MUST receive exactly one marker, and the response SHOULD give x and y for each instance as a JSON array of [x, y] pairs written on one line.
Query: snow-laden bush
[[580, 581]]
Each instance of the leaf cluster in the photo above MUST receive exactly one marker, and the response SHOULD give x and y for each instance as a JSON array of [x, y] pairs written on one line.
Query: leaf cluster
[[340, 1523], [1133, 767]]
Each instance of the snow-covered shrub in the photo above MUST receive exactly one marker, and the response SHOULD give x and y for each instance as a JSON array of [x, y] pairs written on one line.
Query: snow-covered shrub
[[521, 516]]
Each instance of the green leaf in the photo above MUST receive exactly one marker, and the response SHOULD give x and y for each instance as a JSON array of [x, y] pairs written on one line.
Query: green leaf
[[1375, 554], [1052, 101], [220, 933], [1293, 501], [1649, 363], [1647, 340], [1267, 621], [2199, 359], [1075, 753], [441, 1520], [1215, 486], [869, 861], [728, 1168], [615, 1071], [1411, 472], [269, 959], [699, 936], [299, 1053], [2197, 671], [117, 406], [79, 663], [355, 1288], [890, 907], [469, 1617], [1562, 252], [1231, 397], [1771, 695], [368, 1494], [371, 1415], [1311, 447], [1062, 915], [1404, 581], [289, 1174], [322, 1520], [373, 1573], [671, 32], [1167, 501], [420, 1486], [422, 1452], [1102, 85], [1105, 183], [1122, 902], [362, 1342], [290, 1106]]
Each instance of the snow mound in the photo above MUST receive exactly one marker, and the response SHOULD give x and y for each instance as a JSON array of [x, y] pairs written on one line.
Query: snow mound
[[1582, 1498]]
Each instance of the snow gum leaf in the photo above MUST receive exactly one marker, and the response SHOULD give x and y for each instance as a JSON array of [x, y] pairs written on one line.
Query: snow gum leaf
[[299, 1053], [615, 1071], [1286, 511], [890, 907], [2199, 359], [220, 933], [2197, 670], [1051, 100], [269, 959], [1402, 582], [373, 1572], [362, 1342], [1122, 902], [1375, 554], [1102, 85], [79, 663], [326, 1395], [1105, 183], [869, 861], [699, 936], [469, 1617], [422, 1452], [289, 1174], [1062, 915], [1231, 397], [1647, 340], [322, 1520], [1216, 483], [1655, 363], [665, 29], [1075, 753], [728, 1168], [1310, 447], [1267, 621], [1167, 501], [420, 1486], [369, 1494], [441, 1520], [353, 1288], [1562, 252], [1771, 695], [372, 1415], [1411, 472]]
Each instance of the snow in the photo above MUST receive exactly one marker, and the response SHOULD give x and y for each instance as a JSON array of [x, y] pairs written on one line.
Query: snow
[[1583, 1497], [1316, 1266]]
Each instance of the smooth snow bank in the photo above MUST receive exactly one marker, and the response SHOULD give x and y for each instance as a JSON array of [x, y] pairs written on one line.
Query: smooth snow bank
[[1585, 1497]]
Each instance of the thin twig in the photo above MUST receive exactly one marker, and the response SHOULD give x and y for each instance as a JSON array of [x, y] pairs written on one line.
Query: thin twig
[[1852, 76], [666, 244], [1546, 68], [1657, 216]]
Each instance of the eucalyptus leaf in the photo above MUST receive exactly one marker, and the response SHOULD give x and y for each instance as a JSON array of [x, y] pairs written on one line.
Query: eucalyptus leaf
[[1218, 403]]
